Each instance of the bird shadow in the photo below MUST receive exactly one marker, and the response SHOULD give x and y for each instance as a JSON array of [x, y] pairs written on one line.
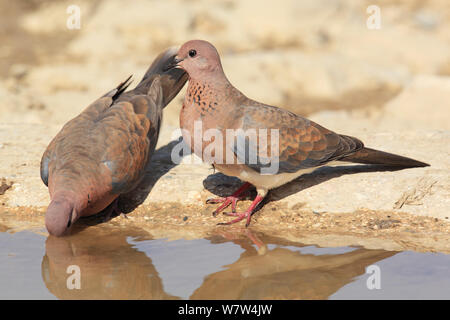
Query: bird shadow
[[159, 165], [222, 185]]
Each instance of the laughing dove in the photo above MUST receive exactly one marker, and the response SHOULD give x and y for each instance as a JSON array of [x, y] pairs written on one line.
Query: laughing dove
[[296, 145], [103, 152]]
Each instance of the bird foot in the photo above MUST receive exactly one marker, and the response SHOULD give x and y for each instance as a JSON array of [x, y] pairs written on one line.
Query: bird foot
[[225, 202], [242, 215]]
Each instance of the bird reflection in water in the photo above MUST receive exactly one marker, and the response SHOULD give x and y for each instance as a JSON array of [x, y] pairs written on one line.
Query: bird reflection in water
[[267, 268], [110, 268]]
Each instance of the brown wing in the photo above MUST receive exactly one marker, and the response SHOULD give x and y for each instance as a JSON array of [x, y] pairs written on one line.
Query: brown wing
[[301, 143], [127, 133], [122, 136], [108, 145], [92, 111]]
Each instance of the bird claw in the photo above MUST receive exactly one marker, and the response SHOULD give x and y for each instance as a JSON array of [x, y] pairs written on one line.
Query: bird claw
[[225, 202], [231, 214], [215, 200], [240, 216]]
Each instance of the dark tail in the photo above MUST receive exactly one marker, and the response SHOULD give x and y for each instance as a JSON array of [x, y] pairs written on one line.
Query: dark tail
[[171, 80], [121, 88], [116, 93], [372, 156]]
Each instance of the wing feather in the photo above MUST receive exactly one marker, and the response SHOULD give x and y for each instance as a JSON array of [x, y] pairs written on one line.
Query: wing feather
[[297, 143]]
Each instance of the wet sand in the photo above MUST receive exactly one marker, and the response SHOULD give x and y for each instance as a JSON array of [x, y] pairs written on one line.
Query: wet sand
[[369, 229]]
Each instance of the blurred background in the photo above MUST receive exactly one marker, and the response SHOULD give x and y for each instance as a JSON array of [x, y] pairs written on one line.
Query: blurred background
[[309, 56]]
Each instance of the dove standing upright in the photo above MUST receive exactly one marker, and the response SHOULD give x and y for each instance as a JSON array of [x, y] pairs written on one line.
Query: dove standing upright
[[103, 152], [301, 145]]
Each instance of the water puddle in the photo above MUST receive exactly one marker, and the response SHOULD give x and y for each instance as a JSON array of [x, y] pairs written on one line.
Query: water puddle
[[130, 265]]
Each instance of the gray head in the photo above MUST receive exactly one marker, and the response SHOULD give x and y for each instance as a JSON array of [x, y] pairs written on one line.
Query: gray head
[[61, 214], [200, 60]]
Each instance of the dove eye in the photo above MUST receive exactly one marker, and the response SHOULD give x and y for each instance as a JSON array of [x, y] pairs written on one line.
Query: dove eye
[[192, 53]]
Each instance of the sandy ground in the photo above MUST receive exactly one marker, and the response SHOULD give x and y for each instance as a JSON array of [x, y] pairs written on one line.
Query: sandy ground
[[389, 87]]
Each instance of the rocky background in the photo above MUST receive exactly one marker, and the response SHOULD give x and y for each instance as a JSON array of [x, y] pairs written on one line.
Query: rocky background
[[390, 87]]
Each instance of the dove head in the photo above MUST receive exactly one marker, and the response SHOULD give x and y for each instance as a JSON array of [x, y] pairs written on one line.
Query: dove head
[[60, 215], [200, 60]]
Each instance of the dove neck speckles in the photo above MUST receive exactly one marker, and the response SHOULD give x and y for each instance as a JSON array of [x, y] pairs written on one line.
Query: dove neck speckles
[[201, 97], [302, 145]]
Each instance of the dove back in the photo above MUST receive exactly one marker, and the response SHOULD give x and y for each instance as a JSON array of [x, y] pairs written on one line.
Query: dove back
[[104, 152]]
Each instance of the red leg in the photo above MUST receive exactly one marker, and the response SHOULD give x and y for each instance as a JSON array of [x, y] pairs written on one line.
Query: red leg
[[247, 214], [226, 201], [262, 248]]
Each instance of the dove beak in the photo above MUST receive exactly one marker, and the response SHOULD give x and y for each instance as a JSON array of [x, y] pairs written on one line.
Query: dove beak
[[174, 64]]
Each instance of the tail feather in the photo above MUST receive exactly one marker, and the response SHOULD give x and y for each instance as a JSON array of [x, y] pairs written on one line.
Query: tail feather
[[171, 80], [372, 156], [116, 93], [122, 87]]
